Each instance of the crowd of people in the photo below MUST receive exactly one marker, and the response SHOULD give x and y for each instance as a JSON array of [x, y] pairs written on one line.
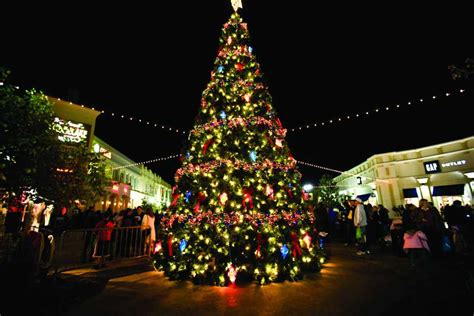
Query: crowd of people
[[95, 227], [416, 231]]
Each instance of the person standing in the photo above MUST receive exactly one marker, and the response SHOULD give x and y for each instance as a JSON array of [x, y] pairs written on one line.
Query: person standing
[[148, 222], [360, 223], [433, 227], [104, 236]]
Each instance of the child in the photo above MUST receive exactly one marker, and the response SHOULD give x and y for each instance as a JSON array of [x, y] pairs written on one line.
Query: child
[[104, 235], [416, 245]]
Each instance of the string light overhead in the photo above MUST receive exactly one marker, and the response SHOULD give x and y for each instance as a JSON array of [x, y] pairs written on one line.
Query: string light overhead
[[147, 162], [135, 119], [334, 170], [358, 115], [295, 129]]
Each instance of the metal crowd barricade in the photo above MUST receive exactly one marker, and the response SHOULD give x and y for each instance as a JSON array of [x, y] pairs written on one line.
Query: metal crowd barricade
[[83, 247]]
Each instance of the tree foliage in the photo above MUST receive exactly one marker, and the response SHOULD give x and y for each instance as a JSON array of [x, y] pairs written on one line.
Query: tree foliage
[[26, 136], [327, 191], [32, 157]]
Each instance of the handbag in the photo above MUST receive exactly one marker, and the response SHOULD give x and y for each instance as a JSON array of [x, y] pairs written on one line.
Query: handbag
[[358, 233]]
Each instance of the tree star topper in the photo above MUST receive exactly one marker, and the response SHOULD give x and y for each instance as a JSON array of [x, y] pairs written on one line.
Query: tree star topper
[[237, 4]]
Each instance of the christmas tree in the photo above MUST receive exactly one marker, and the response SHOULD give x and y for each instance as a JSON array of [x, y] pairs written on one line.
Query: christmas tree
[[237, 210]]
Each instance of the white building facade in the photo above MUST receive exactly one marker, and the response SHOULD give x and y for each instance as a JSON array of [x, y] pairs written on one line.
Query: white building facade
[[132, 183], [440, 173]]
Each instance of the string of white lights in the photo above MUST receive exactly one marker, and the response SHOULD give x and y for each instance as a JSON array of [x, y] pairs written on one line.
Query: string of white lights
[[134, 119], [334, 170], [330, 122], [178, 155], [367, 113], [321, 167], [147, 162]]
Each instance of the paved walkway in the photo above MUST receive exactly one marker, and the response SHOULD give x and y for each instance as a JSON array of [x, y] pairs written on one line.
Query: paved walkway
[[379, 284]]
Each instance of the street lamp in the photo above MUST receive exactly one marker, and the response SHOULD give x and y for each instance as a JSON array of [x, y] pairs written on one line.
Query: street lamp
[[308, 187]]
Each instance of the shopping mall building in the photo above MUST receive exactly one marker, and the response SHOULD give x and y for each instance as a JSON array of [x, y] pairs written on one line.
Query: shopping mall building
[[439, 173], [131, 183]]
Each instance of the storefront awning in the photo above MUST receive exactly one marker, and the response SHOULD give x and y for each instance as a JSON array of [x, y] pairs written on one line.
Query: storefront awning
[[449, 190], [364, 197], [410, 193]]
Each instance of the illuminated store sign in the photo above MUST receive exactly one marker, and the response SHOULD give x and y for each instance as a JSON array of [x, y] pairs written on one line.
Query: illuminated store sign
[[454, 163], [432, 166], [70, 132]]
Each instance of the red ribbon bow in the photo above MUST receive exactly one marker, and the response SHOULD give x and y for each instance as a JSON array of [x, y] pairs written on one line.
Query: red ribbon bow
[[295, 246], [170, 245], [201, 197], [247, 198]]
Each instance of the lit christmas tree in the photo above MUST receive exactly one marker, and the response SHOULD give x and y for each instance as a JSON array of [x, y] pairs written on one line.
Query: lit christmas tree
[[237, 209]]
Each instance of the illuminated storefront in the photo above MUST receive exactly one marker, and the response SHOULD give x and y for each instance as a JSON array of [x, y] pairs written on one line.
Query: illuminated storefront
[[75, 125], [440, 173]]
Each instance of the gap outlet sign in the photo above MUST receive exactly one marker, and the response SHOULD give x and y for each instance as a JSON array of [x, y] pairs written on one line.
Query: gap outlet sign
[[432, 166]]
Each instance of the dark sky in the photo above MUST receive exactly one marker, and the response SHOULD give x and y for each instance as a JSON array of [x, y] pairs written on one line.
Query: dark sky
[[319, 63]]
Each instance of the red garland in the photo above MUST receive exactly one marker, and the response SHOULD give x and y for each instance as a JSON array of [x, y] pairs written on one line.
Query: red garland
[[279, 123], [206, 145], [295, 247], [201, 197], [170, 245], [247, 198], [268, 107]]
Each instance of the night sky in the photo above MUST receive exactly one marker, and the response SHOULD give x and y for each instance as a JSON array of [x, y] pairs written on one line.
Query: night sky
[[319, 63]]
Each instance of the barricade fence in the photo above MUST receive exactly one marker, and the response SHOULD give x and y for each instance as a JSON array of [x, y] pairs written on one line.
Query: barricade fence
[[84, 247]]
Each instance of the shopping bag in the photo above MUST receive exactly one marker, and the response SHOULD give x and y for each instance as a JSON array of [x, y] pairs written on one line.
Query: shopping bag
[[447, 246]]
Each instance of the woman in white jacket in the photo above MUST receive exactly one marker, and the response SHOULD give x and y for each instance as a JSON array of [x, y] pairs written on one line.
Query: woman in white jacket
[[149, 222], [360, 223]]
